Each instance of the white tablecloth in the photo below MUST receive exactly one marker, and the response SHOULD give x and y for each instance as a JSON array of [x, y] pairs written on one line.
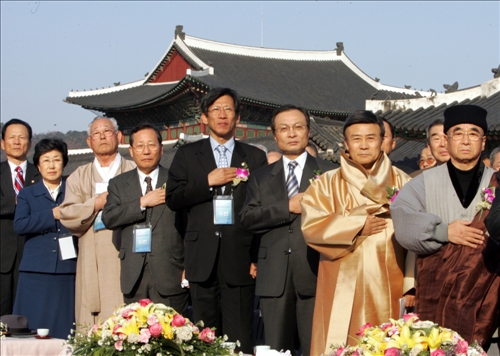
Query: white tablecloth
[[12, 346]]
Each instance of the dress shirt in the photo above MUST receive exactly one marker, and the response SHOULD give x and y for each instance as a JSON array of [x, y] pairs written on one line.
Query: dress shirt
[[53, 193], [13, 172], [301, 160], [154, 179]]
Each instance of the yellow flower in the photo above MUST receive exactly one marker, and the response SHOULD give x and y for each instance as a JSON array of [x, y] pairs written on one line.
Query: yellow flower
[[405, 338], [446, 335], [129, 327], [434, 339], [142, 314], [167, 326]]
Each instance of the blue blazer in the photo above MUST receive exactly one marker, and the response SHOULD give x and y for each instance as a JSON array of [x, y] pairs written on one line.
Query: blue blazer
[[34, 219]]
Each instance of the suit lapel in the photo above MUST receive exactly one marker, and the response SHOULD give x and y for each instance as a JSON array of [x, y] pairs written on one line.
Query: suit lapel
[[158, 210], [7, 185], [277, 181], [31, 175], [308, 172], [41, 190]]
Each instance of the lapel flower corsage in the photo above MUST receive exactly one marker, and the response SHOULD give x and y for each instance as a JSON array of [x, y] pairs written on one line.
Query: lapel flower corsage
[[316, 174], [392, 193], [487, 196], [241, 174]]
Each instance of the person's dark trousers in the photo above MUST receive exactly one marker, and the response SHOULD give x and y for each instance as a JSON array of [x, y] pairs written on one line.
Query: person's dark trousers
[[145, 289], [228, 308]]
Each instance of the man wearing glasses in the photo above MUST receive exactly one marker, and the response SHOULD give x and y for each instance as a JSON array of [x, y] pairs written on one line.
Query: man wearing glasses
[[152, 251], [440, 216], [218, 258], [98, 269]]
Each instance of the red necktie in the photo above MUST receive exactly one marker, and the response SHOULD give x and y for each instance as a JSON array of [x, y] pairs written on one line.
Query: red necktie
[[19, 181]]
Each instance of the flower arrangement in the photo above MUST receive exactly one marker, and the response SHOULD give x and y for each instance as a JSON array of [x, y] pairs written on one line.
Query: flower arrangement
[[4, 329], [145, 328], [392, 193], [316, 175], [487, 197], [409, 337], [241, 174]]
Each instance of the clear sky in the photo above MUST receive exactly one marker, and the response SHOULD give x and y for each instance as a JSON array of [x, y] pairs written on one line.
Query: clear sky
[[49, 48]]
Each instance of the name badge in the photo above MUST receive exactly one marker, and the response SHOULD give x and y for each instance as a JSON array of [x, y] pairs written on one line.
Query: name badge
[[98, 224], [223, 210], [142, 239], [66, 247], [101, 188]]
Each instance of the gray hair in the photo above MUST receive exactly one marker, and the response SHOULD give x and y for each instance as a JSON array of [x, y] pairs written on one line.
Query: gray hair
[[431, 125], [493, 153], [111, 119]]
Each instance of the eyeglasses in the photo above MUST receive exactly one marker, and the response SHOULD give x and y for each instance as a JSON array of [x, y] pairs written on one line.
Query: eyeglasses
[[298, 128], [429, 160], [47, 162], [459, 135], [216, 110], [97, 134], [153, 147]]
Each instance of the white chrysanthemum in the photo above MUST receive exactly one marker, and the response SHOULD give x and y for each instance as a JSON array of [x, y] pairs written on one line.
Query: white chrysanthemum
[[188, 348], [133, 338], [184, 333]]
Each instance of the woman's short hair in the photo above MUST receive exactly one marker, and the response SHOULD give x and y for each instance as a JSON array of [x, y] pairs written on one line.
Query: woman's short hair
[[50, 144]]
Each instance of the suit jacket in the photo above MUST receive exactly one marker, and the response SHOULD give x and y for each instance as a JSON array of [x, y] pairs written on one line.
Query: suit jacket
[[266, 211], [122, 212], [188, 188], [35, 220], [10, 243], [492, 221]]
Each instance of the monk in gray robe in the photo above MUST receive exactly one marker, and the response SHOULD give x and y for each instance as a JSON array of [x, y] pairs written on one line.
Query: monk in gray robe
[[440, 216]]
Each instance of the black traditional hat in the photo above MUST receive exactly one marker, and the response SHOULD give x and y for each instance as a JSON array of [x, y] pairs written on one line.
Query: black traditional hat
[[465, 114]]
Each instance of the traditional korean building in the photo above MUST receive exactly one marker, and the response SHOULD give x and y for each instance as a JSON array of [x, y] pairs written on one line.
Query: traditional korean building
[[327, 83]]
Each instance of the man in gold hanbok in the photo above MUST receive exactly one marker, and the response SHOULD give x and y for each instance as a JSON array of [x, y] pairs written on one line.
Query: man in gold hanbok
[[346, 217]]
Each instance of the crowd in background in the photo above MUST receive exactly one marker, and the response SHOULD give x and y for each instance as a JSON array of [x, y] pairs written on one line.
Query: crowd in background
[[326, 248]]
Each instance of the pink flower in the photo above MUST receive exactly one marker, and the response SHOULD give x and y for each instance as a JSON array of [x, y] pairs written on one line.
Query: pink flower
[[242, 173], [178, 320], [392, 351], [127, 313], [355, 353], [145, 335], [487, 191], [155, 330], [152, 319], [145, 302], [490, 198], [362, 330], [461, 347], [118, 345], [386, 326], [439, 352], [395, 195], [207, 335], [392, 331], [339, 351], [117, 326], [408, 316]]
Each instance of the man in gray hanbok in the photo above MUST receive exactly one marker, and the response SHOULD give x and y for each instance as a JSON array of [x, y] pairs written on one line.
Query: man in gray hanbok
[[437, 216]]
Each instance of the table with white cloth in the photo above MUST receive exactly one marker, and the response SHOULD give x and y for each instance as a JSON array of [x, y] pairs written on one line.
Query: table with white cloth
[[30, 346]]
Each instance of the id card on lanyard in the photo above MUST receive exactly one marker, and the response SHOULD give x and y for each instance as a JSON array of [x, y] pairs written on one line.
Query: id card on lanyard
[[223, 210], [142, 238]]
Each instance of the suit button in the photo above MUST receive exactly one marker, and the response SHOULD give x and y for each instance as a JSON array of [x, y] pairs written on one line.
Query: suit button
[[55, 238], [54, 251], [217, 233]]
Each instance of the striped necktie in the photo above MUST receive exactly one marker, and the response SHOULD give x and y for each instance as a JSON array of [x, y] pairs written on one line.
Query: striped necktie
[[19, 181], [292, 185]]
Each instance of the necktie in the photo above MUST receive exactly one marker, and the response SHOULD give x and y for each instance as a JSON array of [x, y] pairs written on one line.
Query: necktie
[[292, 185], [19, 181], [149, 187], [222, 157]]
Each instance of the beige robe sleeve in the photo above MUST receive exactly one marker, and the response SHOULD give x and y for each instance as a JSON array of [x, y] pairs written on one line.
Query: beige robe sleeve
[[77, 210]]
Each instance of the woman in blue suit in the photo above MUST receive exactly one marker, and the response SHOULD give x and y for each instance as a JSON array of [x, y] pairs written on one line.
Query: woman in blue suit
[[46, 289]]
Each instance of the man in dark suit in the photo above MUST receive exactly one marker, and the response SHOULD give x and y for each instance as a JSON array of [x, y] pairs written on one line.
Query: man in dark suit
[[492, 221], [287, 267], [218, 257], [151, 250], [16, 142]]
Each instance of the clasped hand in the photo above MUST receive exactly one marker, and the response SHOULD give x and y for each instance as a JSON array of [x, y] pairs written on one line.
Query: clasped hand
[[221, 176], [373, 225], [153, 198], [460, 233]]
